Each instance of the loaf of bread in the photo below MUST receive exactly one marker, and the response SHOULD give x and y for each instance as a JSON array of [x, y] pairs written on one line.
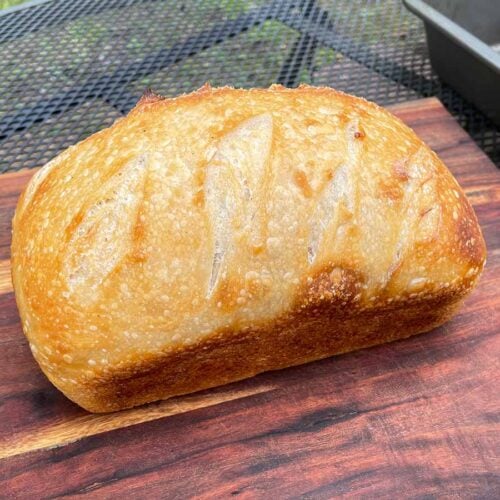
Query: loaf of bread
[[204, 239]]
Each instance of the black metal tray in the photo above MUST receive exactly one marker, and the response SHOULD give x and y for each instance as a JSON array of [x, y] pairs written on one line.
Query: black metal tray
[[464, 43]]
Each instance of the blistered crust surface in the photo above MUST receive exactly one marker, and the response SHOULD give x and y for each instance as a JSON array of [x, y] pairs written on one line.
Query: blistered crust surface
[[225, 210]]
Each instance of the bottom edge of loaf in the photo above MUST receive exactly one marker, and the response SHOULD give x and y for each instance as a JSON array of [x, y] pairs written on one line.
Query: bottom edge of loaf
[[231, 356]]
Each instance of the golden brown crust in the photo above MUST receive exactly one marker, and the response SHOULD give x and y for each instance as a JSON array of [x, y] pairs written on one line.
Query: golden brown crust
[[314, 332], [227, 232]]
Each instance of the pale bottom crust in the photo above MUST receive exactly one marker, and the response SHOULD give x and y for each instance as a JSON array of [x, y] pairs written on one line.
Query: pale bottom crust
[[231, 356]]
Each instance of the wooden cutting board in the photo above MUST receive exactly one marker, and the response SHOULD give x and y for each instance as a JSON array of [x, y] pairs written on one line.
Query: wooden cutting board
[[418, 418]]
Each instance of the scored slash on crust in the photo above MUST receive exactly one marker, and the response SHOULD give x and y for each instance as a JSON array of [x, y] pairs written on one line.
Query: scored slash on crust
[[235, 187], [103, 236], [416, 223], [336, 204]]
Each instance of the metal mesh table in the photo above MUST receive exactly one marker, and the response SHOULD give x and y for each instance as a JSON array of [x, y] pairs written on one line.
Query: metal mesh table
[[71, 67]]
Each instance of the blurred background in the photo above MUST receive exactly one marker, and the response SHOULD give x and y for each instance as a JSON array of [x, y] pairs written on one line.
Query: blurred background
[[71, 67]]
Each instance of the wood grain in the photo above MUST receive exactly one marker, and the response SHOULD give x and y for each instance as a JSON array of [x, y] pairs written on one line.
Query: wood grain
[[416, 418], [5, 278], [68, 430]]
